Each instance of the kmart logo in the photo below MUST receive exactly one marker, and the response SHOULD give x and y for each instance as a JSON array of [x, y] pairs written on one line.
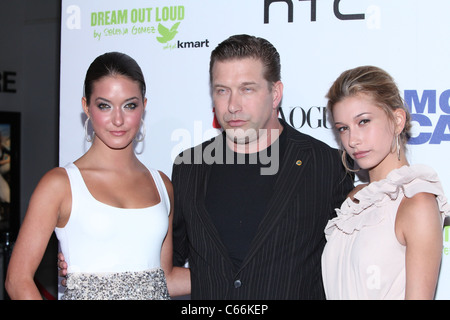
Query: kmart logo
[[167, 34]]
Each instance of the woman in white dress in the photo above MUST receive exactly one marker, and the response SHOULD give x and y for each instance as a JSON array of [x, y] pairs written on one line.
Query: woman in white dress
[[112, 215], [386, 241]]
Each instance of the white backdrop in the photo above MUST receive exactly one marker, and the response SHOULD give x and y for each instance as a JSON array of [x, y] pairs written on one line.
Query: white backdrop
[[317, 40]]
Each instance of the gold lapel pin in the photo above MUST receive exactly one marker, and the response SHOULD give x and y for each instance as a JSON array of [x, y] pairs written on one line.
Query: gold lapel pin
[[299, 162]]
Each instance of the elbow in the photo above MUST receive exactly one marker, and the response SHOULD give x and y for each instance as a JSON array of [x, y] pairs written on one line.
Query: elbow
[[17, 285], [9, 283]]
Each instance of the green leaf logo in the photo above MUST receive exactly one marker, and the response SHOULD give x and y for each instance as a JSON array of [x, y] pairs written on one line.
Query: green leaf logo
[[166, 34]]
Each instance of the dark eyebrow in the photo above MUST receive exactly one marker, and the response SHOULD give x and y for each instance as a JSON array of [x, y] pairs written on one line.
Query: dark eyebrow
[[126, 100]]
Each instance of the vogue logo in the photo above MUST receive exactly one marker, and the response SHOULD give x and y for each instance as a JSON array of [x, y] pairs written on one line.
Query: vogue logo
[[314, 117]]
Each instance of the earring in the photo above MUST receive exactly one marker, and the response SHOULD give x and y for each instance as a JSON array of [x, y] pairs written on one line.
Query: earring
[[86, 135], [398, 147], [345, 162], [142, 132]]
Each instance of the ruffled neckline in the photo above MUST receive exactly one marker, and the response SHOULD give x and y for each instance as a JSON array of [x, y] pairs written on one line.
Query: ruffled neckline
[[408, 180]]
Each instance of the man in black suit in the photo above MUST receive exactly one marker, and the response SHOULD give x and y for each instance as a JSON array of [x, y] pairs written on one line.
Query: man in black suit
[[251, 205]]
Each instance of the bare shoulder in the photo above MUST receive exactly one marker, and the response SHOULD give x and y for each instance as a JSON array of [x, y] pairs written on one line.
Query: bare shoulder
[[421, 204], [166, 181], [54, 187], [55, 178], [169, 188], [51, 198], [418, 215]]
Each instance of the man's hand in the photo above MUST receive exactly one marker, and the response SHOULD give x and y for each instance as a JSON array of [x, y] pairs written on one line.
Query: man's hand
[[62, 268]]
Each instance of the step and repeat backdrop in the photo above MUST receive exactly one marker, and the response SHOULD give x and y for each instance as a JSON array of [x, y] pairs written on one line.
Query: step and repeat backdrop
[[317, 40]]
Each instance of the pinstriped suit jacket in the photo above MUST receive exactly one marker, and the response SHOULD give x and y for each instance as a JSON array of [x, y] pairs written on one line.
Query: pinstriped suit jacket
[[285, 256]]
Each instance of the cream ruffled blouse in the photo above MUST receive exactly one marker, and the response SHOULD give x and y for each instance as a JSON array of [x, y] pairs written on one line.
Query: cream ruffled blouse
[[363, 258]]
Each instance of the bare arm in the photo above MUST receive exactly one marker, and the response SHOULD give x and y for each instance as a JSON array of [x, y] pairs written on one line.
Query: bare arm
[[48, 200], [178, 278], [419, 228]]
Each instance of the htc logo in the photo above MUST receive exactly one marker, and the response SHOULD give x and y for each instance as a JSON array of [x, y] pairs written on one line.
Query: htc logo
[[290, 5]]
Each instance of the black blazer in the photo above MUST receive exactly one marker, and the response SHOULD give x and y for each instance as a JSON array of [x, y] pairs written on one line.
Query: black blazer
[[284, 261]]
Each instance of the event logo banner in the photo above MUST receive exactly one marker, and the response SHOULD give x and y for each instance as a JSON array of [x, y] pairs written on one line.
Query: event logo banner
[[161, 23]]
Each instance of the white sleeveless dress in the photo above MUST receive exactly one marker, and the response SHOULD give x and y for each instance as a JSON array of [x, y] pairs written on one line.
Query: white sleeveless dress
[[113, 253]]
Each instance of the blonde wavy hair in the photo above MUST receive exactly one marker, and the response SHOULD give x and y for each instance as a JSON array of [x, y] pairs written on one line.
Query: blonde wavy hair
[[378, 85]]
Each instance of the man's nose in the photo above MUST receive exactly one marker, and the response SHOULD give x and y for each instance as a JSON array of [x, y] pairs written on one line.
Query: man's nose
[[234, 104]]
